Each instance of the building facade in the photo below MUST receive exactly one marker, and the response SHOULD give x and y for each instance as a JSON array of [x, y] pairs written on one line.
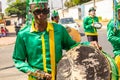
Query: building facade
[[104, 10]]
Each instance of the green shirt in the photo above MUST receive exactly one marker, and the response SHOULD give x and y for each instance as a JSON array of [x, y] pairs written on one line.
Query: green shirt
[[27, 53], [113, 36], [87, 24]]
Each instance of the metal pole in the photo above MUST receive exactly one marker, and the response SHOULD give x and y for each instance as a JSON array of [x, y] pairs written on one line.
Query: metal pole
[[62, 7], [94, 4]]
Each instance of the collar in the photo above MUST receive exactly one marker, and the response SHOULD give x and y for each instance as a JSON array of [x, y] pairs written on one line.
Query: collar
[[33, 29], [53, 22]]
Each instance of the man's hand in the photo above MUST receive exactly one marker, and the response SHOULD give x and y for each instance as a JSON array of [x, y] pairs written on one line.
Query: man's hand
[[92, 24], [95, 44], [48, 76], [40, 75]]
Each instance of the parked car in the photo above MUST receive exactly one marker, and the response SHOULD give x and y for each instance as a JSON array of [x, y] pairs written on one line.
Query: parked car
[[69, 22]]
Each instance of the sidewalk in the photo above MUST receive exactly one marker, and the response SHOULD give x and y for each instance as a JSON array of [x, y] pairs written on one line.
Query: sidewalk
[[10, 38]]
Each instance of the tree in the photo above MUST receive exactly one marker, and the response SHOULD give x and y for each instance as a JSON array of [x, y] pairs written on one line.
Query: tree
[[18, 8], [72, 3], [8, 1]]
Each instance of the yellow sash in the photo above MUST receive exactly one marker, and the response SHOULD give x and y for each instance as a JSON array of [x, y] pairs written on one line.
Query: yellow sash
[[50, 29]]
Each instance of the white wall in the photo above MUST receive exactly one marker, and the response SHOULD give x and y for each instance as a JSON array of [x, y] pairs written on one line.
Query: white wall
[[73, 12], [104, 8]]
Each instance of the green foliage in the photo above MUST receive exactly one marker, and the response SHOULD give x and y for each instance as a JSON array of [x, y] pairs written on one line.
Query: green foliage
[[8, 1], [69, 4], [18, 8], [72, 3]]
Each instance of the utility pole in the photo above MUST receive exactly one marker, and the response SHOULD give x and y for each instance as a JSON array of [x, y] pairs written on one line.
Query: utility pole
[[94, 4], [0, 6], [51, 8], [62, 7]]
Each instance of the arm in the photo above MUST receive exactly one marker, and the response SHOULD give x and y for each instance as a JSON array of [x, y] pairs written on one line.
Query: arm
[[20, 56], [68, 43], [86, 25], [111, 33]]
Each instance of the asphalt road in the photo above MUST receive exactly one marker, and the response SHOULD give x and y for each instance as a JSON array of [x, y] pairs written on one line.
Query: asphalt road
[[9, 72], [102, 39], [7, 69]]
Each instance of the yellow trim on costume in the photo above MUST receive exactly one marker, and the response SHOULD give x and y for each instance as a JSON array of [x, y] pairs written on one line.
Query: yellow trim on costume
[[44, 52], [53, 22], [117, 61], [31, 78], [92, 34], [49, 29], [52, 49]]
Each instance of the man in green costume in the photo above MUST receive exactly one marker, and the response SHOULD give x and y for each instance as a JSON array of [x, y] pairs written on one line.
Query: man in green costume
[[113, 35], [88, 24], [55, 16], [38, 46]]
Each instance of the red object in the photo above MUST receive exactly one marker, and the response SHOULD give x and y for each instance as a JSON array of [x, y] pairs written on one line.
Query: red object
[[3, 31]]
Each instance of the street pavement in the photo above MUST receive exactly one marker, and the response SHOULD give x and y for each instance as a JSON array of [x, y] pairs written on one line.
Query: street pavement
[[7, 69]]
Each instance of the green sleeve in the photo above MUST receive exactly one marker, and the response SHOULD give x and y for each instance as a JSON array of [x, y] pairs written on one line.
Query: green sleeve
[[81, 43], [19, 56], [85, 24], [85, 43], [111, 33]]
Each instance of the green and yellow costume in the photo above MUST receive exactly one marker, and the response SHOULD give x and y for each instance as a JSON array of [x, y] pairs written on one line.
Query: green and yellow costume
[[87, 24], [113, 35], [35, 46], [35, 50]]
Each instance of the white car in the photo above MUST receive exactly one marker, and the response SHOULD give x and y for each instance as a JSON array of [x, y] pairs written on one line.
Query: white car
[[69, 22]]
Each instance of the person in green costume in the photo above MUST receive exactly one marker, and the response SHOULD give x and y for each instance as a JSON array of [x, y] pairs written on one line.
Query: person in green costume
[[113, 35], [55, 16], [88, 24], [38, 46]]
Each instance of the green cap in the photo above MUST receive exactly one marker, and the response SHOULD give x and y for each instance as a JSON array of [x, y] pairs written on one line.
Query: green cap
[[92, 9], [55, 13], [118, 7], [37, 1]]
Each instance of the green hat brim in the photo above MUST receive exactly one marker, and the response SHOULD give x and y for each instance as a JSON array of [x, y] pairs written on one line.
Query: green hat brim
[[55, 13], [92, 9], [37, 1]]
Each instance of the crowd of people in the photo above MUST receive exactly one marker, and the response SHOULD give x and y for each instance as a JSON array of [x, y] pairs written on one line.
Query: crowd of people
[[38, 47]]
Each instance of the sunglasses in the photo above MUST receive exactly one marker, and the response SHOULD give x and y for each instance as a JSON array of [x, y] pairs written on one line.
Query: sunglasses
[[43, 11]]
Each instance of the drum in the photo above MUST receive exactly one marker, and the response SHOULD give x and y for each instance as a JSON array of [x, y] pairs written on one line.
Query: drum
[[86, 63], [74, 34], [97, 25]]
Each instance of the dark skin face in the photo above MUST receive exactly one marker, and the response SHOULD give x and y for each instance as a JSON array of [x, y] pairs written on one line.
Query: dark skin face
[[119, 14], [40, 16], [92, 13], [56, 19]]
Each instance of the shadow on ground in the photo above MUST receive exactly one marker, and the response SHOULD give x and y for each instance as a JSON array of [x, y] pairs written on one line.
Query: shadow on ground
[[82, 34], [11, 34]]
